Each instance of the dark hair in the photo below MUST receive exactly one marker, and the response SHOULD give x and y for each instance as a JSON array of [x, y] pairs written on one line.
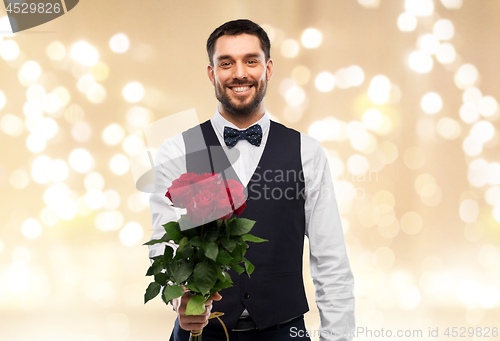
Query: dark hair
[[237, 27]]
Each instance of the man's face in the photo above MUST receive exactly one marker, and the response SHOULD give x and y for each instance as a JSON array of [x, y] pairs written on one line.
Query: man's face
[[240, 73]]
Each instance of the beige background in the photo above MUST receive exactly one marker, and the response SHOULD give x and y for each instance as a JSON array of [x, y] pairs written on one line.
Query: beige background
[[420, 230]]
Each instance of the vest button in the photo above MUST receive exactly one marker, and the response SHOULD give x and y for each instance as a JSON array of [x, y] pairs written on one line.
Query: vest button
[[246, 295]]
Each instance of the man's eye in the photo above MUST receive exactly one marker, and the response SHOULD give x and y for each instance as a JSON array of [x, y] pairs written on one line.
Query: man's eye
[[225, 64], [252, 62]]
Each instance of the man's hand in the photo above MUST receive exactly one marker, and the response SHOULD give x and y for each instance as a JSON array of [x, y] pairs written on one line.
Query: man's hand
[[193, 322]]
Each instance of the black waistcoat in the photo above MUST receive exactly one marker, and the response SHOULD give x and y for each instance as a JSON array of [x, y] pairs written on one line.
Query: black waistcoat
[[275, 292]]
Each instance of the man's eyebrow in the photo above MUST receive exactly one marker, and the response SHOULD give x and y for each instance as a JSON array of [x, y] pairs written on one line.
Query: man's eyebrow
[[248, 55]]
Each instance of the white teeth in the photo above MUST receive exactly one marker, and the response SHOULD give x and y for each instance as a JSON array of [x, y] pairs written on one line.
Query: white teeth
[[241, 88]]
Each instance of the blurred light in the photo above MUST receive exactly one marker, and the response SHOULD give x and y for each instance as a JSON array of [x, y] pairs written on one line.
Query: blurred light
[[414, 158], [483, 131], [41, 169], [472, 94], [32, 109], [369, 3], [446, 53], [431, 103], [111, 200], [101, 292], [407, 22], [271, 32], [81, 131], [51, 103], [295, 96], [466, 75], [431, 194], [373, 119], [383, 258], [493, 173], [473, 231], [318, 130], [379, 89], [59, 170], [469, 112], [133, 92], [340, 79], [290, 48], [325, 81], [66, 209], [35, 92], [448, 128], [311, 38], [492, 196], [100, 71], [409, 298], [472, 145], [113, 134], [84, 53], [386, 126], [49, 216], [301, 74], [12, 125], [488, 106], [291, 114], [477, 174], [384, 197], [428, 43], [452, 4], [85, 82], [133, 145], [82, 208], [93, 180], [9, 50], [489, 256], [47, 128], [358, 136], [496, 213], [19, 179], [420, 62], [469, 211], [119, 164], [94, 199], [56, 51], [467, 291], [119, 43], [285, 85], [36, 143], [357, 164], [5, 27], [74, 113], [390, 151], [31, 228], [96, 93], [420, 8], [411, 223], [354, 75], [81, 160], [489, 297], [3, 100], [443, 29], [138, 116], [108, 221], [137, 202], [30, 71], [131, 234]]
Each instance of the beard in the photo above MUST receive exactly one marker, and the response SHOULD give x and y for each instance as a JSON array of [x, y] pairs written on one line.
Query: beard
[[241, 109]]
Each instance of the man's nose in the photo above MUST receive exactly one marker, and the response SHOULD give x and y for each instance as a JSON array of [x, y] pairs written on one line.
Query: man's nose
[[240, 71]]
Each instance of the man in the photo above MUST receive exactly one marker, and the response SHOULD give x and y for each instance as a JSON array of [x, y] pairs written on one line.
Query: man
[[290, 194]]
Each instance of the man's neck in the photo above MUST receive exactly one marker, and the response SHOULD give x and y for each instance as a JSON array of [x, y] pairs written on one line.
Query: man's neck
[[242, 122]]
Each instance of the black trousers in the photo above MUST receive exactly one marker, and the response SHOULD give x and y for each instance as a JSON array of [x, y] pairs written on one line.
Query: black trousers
[[286, 332]]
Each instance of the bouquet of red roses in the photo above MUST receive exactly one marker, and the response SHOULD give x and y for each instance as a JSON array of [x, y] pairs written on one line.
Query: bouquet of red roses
[[209, 241]]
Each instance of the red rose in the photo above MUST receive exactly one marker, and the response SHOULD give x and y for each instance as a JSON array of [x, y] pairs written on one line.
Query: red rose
[[224, 209], [235, 192], [208, 181], [181, 192], [202, 207]]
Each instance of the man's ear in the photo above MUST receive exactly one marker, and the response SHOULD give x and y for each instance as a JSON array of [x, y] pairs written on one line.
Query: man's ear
[[269, 69], [210, 72]]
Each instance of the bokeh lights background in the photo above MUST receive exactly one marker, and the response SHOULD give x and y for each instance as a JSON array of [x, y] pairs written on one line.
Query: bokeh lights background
[[403, 95]]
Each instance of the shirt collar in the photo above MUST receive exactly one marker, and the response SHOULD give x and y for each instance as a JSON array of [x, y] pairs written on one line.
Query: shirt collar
[[220, 122]]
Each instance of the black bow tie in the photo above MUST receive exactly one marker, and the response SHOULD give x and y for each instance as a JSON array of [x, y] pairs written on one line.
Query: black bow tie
[[252, 135]]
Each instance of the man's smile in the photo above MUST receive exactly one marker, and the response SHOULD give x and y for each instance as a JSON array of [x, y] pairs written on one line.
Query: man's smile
[[240, 90]]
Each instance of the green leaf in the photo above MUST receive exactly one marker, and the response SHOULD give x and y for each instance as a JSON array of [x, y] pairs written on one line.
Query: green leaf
[[161, 278], [152, 291], [181, 270], [184, 241], [240, 226], [168, 254], [171, 291], [174, 231], [211, 250], [205, 276], [223, 257], [229, 244], [196, 241], [212, 236], [196, 305], [248, 266], [251, 238], [219, 285], [237, 268], [191, 286], [154, 269], [186, 253]]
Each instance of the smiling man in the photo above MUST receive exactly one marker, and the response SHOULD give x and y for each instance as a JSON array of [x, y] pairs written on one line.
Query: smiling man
[[290, 196]]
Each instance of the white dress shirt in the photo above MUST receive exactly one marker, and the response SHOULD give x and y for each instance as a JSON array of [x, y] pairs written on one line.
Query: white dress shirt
[[329, 265]]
